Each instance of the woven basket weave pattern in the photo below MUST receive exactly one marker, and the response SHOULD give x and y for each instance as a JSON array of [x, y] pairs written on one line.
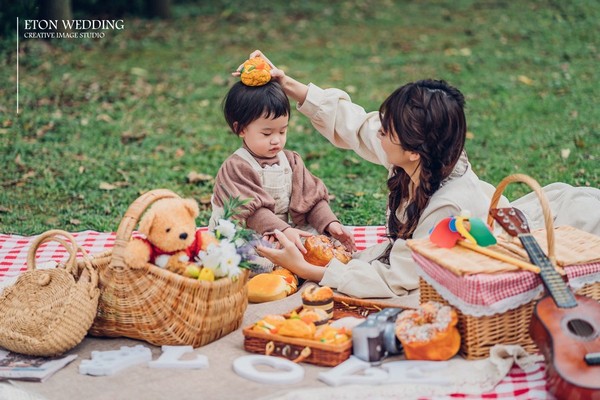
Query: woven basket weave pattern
[[160, 307], [480, 334], [48, 312]]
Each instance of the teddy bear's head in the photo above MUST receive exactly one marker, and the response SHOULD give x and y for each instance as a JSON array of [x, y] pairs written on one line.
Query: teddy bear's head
[[170, 224]]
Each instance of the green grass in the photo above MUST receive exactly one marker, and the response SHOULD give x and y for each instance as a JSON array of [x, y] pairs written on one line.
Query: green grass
[[105, 120]]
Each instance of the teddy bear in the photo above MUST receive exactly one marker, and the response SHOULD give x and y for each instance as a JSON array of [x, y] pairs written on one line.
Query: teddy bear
[[171, 239]]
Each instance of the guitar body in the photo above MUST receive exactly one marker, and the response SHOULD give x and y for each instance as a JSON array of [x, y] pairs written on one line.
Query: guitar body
[[565, 336]]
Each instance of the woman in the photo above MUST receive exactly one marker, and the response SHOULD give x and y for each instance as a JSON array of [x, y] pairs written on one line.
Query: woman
[[419, 136]]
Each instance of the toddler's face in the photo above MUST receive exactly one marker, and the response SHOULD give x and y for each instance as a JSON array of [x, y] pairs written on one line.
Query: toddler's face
[[265, 137]]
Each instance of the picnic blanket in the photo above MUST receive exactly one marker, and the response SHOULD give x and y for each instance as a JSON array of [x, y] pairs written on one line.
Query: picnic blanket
[[218, 381]]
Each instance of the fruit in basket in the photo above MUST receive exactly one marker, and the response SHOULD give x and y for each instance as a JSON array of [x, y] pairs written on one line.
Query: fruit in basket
[[192, 271], [171, 239], [320, 249], [428, 332], [206, 274], [255, 72]]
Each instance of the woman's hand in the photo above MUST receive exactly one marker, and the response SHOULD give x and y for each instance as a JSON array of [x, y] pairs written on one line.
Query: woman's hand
[[339, 232], [276, 73], [295, 236], [294, 89], [290, 257]]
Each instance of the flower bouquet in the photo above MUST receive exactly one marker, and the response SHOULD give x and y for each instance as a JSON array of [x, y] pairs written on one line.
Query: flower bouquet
[[227, 248]]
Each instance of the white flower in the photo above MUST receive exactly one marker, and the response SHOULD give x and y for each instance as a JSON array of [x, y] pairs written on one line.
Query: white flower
[[230, 263], [226, 228], [224, 257], [211, 258], [230, 259]]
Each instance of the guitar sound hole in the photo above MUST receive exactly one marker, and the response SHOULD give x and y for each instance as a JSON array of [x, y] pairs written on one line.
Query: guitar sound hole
[[580, 328]]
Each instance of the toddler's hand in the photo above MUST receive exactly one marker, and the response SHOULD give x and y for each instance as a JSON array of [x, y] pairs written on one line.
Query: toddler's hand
[[339, 232], [295, 236]]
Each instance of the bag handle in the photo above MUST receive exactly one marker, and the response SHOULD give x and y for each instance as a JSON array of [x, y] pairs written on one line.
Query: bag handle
[[130, 221], [535, 186], [70, 244]]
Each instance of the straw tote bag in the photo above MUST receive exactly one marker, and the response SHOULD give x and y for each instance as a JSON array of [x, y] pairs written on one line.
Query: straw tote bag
[[47, 312]]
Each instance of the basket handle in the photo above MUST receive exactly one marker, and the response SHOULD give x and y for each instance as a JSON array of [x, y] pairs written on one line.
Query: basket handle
[[54, 235], [70, 244], [130, 221], [535, 186]]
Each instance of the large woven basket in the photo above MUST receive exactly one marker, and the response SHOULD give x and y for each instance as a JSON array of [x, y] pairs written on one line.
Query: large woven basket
[[47, 312], [158, 306], [480, 333]]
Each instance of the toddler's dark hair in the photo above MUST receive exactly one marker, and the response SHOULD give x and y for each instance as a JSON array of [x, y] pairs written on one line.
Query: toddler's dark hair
[[244, 104]]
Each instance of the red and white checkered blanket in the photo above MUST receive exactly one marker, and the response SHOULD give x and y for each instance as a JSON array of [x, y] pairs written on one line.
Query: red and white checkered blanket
[[517, 384], [14, 248]]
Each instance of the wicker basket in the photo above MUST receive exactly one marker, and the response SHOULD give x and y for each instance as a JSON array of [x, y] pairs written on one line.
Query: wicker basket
[[480, 333], [158, 306], [312, 351], [47, 312]]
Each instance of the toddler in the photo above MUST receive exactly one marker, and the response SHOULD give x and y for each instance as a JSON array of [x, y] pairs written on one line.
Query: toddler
[[284, 195]]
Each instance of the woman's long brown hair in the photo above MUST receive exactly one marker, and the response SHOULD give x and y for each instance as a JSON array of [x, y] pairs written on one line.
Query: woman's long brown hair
[[427, 117]]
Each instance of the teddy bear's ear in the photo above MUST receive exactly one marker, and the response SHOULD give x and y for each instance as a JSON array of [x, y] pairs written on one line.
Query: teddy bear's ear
[[192, 206], [146, 222]]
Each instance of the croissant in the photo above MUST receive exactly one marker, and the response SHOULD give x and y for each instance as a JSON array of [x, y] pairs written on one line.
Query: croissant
[[320, 250]]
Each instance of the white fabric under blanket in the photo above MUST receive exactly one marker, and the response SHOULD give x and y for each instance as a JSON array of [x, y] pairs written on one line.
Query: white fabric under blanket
[[467, 377]]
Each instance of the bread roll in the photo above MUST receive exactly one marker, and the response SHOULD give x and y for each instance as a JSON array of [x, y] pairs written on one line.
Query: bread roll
[[316, 297], [429, 332], [268, 287], [320, 249], [295, 327]]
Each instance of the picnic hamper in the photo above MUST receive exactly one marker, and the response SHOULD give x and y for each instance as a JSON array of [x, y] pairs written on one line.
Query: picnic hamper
[[158, 306], [480, 331], [47, 312]]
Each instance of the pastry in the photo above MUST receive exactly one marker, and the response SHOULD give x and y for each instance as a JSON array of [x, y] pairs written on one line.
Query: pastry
[[290, 278], [318, 297], [317, 316], [330, 335], [269, 287], [320, 249], [255, 72], [269, 324], [295, 327], [428, 332]]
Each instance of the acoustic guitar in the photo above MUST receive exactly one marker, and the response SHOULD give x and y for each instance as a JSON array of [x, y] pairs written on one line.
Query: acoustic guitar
[[564, 326]]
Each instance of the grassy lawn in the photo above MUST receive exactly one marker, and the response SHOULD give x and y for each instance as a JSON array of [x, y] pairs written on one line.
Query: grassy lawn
[[104, 120]]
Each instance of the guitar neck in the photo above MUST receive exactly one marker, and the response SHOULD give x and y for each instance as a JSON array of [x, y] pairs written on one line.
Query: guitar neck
[[554, 283]]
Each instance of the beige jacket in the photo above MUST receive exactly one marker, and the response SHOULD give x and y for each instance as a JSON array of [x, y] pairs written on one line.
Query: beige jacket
[[348, 126]]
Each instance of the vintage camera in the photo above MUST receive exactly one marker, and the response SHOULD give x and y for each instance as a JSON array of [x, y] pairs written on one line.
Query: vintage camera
[[375, 338]]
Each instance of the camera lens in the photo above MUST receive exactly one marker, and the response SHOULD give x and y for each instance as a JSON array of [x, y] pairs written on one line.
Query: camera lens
[[390, 341]]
